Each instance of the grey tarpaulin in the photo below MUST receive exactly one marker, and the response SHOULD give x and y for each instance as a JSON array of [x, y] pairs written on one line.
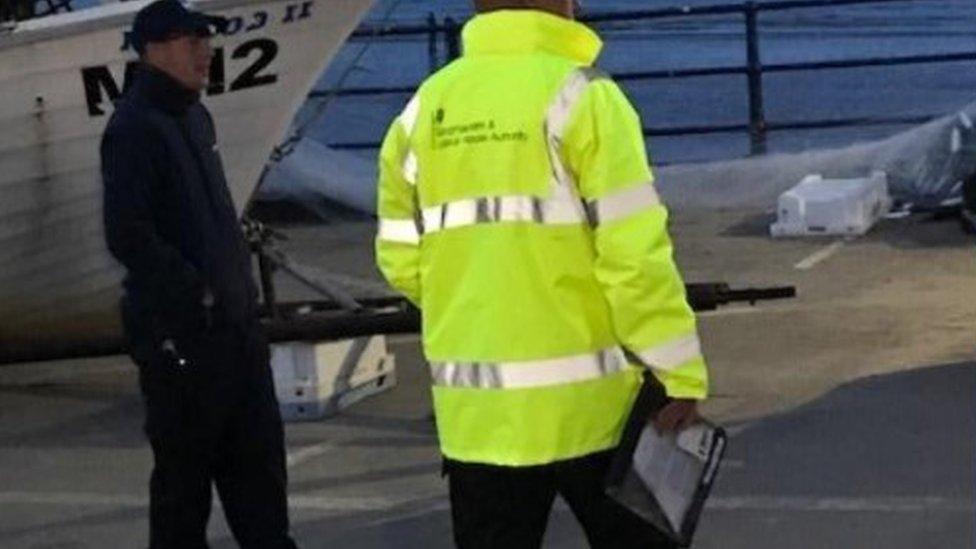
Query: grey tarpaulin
[[925, 166]]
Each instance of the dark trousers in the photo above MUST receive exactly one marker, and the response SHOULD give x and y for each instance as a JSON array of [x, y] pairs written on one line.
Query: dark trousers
[[215, 421], [508, 507]]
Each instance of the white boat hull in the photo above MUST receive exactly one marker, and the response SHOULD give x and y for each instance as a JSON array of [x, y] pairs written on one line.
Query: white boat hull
[[58, 284]]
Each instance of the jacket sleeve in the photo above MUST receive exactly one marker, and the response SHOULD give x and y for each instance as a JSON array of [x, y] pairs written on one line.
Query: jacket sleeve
[[398, 235], [604, 148], [130, 231]]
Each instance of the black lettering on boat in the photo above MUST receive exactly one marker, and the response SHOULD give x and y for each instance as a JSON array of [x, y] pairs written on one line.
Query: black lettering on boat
[[101, 86], [234, 25], [215, 86], [252, 77], [260, 20]]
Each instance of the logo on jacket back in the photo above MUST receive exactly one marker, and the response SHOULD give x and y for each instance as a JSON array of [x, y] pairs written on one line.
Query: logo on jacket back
[[471, 132]]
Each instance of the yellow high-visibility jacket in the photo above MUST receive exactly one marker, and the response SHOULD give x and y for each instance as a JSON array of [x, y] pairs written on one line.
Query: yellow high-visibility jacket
[[517, 210]]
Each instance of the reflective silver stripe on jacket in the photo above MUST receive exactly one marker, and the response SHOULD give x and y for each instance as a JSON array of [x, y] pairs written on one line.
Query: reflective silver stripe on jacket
[[499, 209], [615, 206], [622, 204], [672, 354], [522, 375], [399, 230], [410, 167], [557, 117], [551, 211], [409, 120]]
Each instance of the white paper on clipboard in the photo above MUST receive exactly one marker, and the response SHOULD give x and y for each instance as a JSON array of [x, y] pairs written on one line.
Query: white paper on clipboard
[[672, 467]]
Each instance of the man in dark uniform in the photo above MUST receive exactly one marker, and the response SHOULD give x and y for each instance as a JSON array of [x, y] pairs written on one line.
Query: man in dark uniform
[[190, 309]]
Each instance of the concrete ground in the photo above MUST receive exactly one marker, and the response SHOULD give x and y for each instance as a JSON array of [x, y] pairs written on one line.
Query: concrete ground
[[852, 408], [885, 462]]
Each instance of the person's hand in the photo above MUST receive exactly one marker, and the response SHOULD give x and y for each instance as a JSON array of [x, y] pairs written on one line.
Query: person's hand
[[676, 416]]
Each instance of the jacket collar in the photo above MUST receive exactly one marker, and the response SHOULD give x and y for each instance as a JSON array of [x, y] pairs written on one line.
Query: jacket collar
[[162, 90], [529, 31]]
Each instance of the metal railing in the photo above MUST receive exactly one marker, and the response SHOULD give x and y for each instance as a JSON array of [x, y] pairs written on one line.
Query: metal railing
[[23, 10], [445, 36]]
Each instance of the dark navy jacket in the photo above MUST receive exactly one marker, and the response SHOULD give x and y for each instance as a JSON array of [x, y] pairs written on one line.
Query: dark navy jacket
[[169, 218]]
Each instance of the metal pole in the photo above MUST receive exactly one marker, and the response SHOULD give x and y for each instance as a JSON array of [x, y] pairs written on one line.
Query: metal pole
[[757, 116], [258, 239], [432, 42], [266, 269], [452, 39]]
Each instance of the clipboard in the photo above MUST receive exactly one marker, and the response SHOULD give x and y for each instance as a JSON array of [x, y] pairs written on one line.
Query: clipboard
[[664, 479]]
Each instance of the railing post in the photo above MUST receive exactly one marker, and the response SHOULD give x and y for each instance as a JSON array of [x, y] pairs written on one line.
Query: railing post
[[757, 116], [266, 270], [432, 42], [452, 39]]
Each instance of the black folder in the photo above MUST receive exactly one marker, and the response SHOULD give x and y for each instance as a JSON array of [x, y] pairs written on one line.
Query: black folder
[[664, 479]]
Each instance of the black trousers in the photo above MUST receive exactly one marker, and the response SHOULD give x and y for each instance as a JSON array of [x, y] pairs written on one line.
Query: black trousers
[[508, 507], [215, 421]]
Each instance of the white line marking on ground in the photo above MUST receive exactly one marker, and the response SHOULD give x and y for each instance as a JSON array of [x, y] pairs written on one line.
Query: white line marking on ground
[[81, 499], [841, 504], [71, 499], [924, 504], [731, 311], [738, 428], [345, 504], [820, 255], [767, 504], [436, 507], [302, 455]]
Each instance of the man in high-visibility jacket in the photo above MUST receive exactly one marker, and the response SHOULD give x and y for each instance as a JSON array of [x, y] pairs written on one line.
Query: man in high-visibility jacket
[[517, 211]]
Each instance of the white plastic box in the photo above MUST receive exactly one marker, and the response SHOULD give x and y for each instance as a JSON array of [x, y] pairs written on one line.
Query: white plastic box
[[317, 380], [819, 206]]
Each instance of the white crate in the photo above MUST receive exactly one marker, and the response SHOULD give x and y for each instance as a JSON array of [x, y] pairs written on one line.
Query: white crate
[[318, 380], [819, 206]]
